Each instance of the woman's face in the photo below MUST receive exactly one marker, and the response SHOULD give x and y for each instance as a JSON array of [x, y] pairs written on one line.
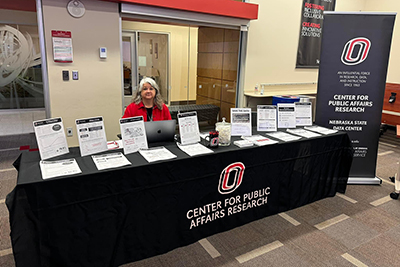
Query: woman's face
[[148, 92]]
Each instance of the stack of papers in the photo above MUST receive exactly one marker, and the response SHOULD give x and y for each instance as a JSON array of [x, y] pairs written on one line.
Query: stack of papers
[[51, 169], [284, 136], [194, 149], [108, 161], [303, 133], [320, 129], [243, 143], [156, 153], [259, 140]]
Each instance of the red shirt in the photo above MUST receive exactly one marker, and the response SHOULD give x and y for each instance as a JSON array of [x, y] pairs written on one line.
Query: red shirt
[[134, 110]]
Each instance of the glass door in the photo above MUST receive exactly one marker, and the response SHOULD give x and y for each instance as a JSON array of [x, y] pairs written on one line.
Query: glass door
[[152, 59], [129, 65]]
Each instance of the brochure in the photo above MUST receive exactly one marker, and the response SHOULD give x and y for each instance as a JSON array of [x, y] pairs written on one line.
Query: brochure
[[241, 121], [50, 137], [303, 133], [133, 134], [303, 113], [266, 118], [156, 154], [91, 135], [194, 149], [51, 169], [284, 136], [259, 140], [188, 128], [111, 160], [286, 115], [320, 129]]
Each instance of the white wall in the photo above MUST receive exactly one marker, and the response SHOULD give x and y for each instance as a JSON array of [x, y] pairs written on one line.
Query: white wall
[[393, 75], [273, 41], [98, 92]]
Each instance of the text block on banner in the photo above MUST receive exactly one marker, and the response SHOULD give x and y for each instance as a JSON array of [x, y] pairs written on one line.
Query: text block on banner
[[312, 17], [351, 84]]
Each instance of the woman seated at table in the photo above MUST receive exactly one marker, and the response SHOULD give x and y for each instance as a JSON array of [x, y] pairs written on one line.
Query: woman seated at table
[[147, 102]]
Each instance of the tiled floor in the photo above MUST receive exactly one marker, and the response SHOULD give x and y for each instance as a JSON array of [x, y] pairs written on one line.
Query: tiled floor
[[359, 228]]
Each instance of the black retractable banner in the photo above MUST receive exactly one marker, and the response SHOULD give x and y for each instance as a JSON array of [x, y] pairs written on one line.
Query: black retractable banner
[[351, 84], [311, 31]]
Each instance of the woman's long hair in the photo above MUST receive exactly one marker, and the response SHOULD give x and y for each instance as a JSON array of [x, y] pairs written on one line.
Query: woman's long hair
[[137, 95]]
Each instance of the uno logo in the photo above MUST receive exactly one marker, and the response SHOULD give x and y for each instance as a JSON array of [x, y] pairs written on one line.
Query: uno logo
[[356, 51], [231, 178]]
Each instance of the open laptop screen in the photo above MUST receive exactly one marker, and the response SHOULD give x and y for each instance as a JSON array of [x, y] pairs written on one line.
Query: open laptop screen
[[160, 131]]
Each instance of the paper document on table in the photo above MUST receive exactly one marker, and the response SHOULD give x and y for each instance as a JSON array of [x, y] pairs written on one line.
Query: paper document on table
[[243, 143], [111, 160], [51, 169], [303, 113], [320, 129], [241, 121], [266, 118], [259, 140], [194, 149], [50, 137], [284, 136], [156, 154], [91, 135], [133, 134], [303, 133], [286, 115], [189, 127]]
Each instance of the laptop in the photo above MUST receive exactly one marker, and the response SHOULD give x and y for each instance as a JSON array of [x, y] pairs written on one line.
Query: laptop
[[160, 131]]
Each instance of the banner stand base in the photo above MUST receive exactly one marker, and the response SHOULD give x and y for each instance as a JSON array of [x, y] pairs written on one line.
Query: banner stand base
[[362, 180]]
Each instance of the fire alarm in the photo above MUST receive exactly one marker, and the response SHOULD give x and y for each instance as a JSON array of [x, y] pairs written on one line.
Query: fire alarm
[[76, 8]]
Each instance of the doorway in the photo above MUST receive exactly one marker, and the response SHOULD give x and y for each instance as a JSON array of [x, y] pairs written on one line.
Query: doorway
[[145, 54]]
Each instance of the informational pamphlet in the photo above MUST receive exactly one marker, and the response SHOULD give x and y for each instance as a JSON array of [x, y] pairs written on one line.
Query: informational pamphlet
[[259, 140], [243, 143], [50, 137], [303, 133], [188, 128], [156, 154], [241, 121], [133, 134], [111, 145], [194, 149], [51, 169], [303, 113], [91, 135], [111, 160], [319, 129], [286, 115], [284, 136], [266, 118]]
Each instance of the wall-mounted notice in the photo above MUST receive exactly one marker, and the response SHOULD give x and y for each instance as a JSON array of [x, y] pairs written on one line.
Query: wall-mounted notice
[[241, 121], [91, 135], [133, 134], [50, 137], [266, 118], [62, 46]]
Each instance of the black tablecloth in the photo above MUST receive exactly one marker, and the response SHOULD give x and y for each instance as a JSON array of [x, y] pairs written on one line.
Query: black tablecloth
[[115, 216]]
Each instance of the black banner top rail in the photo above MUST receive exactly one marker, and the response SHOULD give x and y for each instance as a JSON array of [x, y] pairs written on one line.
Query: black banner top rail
[[308, 53], [351, 84]]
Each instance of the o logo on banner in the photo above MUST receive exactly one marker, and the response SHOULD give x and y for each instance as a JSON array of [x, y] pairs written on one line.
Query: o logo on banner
[[359, 47], [233, 171]]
